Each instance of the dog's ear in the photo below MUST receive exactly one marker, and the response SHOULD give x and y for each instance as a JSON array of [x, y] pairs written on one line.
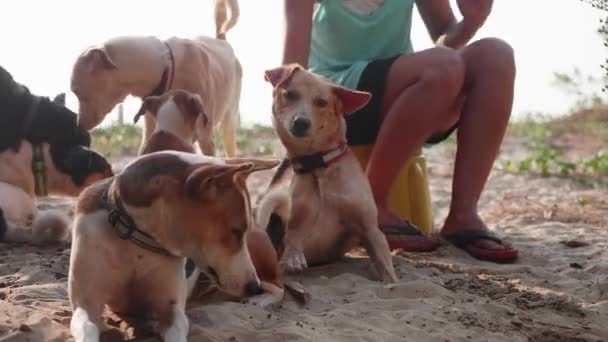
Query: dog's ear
[[191, 105], [258, 164], [352, 100], [99, 59], [279, 76], [207, 181], [150, 104], [60, 99]]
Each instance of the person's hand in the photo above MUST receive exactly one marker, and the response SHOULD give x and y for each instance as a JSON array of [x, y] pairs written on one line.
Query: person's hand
[[474, 12]]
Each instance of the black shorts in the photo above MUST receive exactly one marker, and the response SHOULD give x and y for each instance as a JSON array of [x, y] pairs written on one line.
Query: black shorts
[[363, 125]]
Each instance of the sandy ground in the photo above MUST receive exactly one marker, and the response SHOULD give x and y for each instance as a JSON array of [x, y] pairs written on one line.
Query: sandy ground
[[557, 291]]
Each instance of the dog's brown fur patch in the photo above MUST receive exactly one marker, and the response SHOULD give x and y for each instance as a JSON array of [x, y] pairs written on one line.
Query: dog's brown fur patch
[[161, 141], [91, 199], [140, 186]]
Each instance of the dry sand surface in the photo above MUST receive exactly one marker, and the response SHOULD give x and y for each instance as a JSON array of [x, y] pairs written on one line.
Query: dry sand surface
[[557, 291]]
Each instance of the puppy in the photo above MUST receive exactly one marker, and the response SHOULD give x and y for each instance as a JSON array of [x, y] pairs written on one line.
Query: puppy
[[133, 233], [176, 113], [330, 200], [104, 75], [42, 151]]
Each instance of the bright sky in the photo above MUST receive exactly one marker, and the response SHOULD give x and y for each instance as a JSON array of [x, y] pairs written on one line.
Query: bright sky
[[41, 40]]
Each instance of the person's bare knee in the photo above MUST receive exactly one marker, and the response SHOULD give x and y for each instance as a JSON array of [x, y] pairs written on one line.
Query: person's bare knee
[[491, 57], [444, 72]]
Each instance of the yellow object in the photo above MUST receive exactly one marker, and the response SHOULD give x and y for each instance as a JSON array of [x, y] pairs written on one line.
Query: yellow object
[[410, 197]]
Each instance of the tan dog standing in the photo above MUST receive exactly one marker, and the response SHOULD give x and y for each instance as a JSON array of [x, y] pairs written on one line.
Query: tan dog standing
[[133, 233], [176, 113], [332, 208], [104, 75]]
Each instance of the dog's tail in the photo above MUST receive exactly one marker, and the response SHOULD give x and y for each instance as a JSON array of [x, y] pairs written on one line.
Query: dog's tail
[[223, 24], [49, 226], [272, 215]]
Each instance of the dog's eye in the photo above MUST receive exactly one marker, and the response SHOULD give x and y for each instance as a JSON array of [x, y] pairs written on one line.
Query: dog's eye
[[291, 95], [322, 103], [238, 233]]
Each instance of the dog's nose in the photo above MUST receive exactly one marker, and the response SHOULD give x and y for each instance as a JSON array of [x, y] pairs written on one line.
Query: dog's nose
[[300, 126], [253, 288]]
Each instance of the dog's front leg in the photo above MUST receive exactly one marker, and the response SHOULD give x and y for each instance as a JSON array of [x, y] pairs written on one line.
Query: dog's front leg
[[272, 295], [204, 137], [171, 283], [293, 258], [83, 327], [376, 246], [174, 324], [149, 126]]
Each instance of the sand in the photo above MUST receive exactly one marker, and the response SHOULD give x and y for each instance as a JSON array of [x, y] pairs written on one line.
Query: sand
[[557, 291]]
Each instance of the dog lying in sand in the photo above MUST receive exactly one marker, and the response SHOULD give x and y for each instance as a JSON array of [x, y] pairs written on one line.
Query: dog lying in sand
[[146, 66], [175, 205], [42, 151], [330, 201], [176, 113]]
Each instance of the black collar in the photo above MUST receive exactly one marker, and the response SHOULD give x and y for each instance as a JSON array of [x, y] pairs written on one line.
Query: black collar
[[319, 160], [166, 80], [125, 226], [39, 171], [38, 165]]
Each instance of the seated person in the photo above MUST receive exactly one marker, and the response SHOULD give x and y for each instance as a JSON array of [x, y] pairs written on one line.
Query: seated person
[[419, 97]]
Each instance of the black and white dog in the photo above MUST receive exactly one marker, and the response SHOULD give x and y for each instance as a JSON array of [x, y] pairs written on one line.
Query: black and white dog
[[42, 151]]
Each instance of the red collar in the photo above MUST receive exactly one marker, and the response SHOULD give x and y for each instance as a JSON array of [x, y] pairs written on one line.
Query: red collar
[[319, 160], [166, 80]]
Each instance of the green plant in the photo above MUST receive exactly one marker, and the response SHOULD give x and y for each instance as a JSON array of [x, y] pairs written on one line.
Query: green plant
[[116, 139], [547, 161]]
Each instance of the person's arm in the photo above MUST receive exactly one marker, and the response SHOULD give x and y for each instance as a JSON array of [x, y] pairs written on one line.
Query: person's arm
[[297, 32], [442, 25]]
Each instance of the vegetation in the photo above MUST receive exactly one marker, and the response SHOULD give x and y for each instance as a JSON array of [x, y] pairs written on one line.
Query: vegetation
[[588, 122]]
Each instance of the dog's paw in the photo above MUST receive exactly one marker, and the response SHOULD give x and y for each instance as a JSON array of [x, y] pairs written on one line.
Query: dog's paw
[[264, 300], [293, 260]]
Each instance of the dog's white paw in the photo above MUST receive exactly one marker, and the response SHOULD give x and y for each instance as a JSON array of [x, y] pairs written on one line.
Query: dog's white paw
[[293, 260]]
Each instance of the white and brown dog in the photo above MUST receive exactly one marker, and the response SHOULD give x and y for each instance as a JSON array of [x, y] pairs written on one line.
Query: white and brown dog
[[330, 201], [133, 233], [143, 66], [176, 113], [42, 151]]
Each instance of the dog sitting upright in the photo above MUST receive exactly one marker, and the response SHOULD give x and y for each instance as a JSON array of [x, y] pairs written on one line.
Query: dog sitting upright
[[147, 66], [332, 208], [133, 233], [42, 151], [176, 113]]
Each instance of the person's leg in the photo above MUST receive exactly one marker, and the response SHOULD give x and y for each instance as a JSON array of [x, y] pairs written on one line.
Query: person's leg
[[488, 88], [420, 94]]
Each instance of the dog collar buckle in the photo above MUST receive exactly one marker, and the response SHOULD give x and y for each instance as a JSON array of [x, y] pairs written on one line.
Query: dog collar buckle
[[116, 219]]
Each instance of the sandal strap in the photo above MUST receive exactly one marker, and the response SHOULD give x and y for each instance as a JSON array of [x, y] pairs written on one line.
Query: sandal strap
[[403, 229], [466, 237]]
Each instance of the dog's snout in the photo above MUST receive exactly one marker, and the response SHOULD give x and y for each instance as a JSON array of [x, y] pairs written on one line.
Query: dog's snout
[[253, 288], [300, 126]]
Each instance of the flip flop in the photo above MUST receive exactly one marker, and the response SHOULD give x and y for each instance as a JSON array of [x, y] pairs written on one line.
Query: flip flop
[[465, 240], [408, 229]]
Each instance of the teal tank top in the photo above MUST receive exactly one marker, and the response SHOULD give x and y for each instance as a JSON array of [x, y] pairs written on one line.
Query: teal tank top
[[343, 41]]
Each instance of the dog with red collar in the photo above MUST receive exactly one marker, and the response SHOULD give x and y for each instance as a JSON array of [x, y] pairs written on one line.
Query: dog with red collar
[[328, 208]]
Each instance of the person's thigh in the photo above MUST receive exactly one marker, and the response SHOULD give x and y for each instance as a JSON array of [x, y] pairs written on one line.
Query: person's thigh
[[439, 71]]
